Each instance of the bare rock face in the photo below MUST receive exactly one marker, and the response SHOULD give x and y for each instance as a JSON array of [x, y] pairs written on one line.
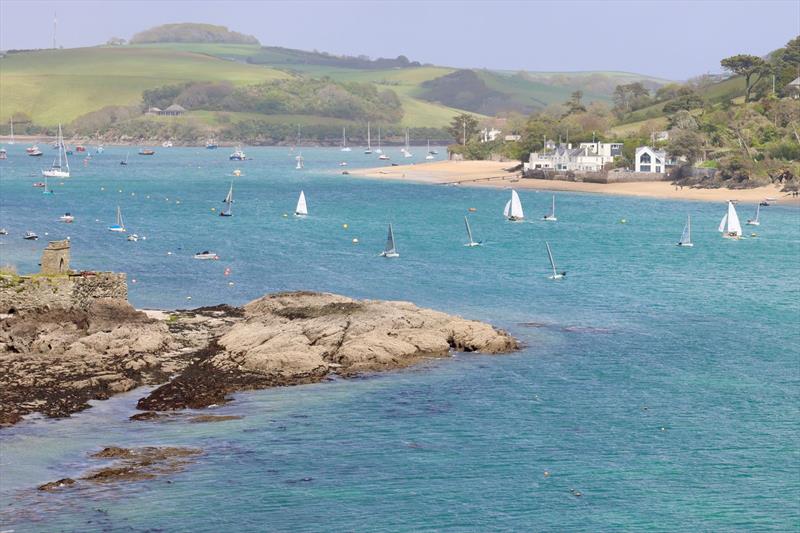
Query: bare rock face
[[301, 337], [54, 361], [304, 332]]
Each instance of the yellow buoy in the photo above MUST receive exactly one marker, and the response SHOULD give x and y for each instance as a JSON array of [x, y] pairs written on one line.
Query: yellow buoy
[[623, 221], [285, 215], [213, 208], [345, 226]]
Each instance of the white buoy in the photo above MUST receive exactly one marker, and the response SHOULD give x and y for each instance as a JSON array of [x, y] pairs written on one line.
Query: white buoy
[[355, 241]]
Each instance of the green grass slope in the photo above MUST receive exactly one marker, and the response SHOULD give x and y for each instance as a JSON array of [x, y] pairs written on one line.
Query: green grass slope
[[53, 86]]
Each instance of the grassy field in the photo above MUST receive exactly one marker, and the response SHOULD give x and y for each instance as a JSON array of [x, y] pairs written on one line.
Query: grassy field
[[52, 86], [55, 86]]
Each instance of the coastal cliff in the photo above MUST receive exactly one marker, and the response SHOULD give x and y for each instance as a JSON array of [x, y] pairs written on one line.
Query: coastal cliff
[[53, 361]]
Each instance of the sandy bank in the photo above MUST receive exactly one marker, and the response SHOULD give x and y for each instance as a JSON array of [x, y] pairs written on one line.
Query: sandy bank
[[494, 174]]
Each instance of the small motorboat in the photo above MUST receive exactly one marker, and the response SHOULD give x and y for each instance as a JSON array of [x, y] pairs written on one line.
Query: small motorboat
[[66, 217], [35, 153], [237, 172], [345, 172], [3, 231], [206, 255], [211, 145], [237, 155], [99, 149], [39, 184], [3, 154], [30, 236], [167, 144], [133, 237], [343, 164], [31, 149], [144, 151]]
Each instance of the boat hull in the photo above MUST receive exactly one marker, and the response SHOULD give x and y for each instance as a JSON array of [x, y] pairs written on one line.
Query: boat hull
[[390, 255], [55, 174], [548, 218]]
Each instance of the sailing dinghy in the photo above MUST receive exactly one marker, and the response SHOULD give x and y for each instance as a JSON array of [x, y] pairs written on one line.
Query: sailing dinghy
[[60, 169], [229, 201], [390, 250], [556, 274], [345, 148], [754, 221], [551, 216], [686, 236], [513, 209], [729, 226], [302, 209], [119, 226], [470, 241]]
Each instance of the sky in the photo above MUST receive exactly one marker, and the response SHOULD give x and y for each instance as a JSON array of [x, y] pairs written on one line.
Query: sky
[[668, 39]]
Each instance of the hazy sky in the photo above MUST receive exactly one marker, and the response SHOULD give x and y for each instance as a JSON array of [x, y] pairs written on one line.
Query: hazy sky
[[671, 39]]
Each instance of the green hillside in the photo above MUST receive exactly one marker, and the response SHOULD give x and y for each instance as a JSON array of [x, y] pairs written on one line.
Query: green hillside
[[54, 86]]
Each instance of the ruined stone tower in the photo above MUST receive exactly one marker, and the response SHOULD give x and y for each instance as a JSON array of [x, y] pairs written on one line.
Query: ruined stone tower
[[55, 258]]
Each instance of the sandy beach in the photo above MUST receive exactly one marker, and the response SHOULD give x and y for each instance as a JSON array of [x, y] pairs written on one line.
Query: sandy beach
[[494, 174]]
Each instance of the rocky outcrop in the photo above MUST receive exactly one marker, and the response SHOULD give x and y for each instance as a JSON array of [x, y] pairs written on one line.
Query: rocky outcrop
[[301, 337], [54, 360], [130, 464]]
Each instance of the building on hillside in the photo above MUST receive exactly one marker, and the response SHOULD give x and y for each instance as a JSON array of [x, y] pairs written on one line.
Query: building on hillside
[[793, 88], [649, 159], [153, 111], [514, 137], [173, 111], [587, 157], [489, 134], [660, 136]]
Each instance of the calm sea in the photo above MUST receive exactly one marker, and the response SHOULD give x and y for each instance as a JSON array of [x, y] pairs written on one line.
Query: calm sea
[[661, 383]]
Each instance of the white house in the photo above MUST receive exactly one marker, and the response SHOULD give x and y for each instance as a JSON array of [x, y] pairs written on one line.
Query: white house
[[651, 160], [489, 134], [588, 157]]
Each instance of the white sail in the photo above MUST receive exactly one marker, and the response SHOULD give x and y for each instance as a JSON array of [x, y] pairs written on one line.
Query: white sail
[[723, 222], [229, 201], [507, 209], [555, 275], [469, 231], [120, 222], [754, 221], [369, 141], [345, 148], [61, 168], [515, 211], [734, 228], [302, 208], [686, 236], [11, 123]]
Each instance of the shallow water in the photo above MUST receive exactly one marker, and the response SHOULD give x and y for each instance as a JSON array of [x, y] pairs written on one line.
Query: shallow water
[[661, 383]]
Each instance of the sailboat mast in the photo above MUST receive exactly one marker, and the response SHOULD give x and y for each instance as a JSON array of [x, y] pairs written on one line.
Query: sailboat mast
[[469, 231], [369, 146]]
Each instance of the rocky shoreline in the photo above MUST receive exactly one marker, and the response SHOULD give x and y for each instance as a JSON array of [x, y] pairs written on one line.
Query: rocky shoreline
[[53, 361]]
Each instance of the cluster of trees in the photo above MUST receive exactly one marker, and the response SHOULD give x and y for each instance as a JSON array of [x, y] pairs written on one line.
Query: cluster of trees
[[273, 55], [192, 33], [324, 97], [465, 89]]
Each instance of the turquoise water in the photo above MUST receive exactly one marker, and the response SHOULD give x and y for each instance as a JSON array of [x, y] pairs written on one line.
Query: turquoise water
[[662, 383]]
